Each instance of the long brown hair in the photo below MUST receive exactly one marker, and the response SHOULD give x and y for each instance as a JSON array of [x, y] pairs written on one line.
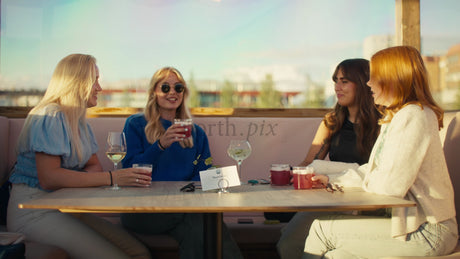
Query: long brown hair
[[366, 126], [401, 71], [154, 129]]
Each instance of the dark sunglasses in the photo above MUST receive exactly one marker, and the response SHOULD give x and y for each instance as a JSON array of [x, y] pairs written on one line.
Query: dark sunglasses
[[188, 188], [333, 187], [179, 88]]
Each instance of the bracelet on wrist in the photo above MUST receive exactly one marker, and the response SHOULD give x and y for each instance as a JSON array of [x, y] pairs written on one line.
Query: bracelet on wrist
[[161, 146], [111, 179]]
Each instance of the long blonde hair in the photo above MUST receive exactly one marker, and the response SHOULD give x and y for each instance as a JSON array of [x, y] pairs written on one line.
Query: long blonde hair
[[68, 91], [154, 129], [401, 73]]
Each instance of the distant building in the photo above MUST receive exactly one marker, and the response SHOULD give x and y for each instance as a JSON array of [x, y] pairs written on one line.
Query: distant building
[[20, 97], [432, 64], [450, 77]]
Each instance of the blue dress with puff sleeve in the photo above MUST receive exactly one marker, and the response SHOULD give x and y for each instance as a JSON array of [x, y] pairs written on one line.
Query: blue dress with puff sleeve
[[48, 132]]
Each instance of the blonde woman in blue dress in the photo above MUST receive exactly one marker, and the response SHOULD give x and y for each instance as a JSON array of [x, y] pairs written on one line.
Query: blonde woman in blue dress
[[57, 149]]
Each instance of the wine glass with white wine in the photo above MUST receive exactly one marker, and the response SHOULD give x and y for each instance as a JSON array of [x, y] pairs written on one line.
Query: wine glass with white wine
[[239, 150], [116, 151]]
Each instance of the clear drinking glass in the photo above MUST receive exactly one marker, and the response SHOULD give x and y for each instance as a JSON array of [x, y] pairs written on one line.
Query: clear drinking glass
[[115, 151], [186, 124], [239, 150], [143, 166]]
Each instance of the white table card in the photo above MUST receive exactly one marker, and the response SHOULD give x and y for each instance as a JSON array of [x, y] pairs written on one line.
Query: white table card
[[218, 178]]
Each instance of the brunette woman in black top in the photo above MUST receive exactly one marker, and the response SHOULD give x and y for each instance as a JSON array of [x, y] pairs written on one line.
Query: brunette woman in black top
[[354, 109], [346, 134]]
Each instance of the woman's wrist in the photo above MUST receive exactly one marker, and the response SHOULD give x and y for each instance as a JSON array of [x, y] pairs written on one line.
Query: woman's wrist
[[111, 178], [160, 146]]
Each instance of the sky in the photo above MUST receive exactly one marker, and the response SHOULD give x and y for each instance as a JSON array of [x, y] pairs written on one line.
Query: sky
[[233, 40]]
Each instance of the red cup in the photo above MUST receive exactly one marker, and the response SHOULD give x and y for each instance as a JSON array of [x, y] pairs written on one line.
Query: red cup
[[302, 177], [280, 174], [186, 124]]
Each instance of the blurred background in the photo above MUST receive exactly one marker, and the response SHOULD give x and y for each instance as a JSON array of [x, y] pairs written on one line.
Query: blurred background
[[232, 53]]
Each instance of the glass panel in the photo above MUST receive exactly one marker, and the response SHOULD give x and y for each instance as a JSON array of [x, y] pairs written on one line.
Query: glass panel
[[233, 53], [440, 40]]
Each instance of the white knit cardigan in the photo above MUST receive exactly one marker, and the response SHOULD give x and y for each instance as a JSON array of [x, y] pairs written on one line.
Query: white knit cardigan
[[407, 161]]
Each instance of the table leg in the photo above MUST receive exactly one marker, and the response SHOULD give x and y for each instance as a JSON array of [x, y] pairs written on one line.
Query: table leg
[[213, 235]]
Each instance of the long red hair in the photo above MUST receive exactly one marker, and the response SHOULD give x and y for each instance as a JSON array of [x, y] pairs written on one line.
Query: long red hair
[[401, 73]]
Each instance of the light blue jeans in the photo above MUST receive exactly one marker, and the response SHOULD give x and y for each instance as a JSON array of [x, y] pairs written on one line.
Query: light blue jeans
[[294, 234], [346, 236], [80, 235]]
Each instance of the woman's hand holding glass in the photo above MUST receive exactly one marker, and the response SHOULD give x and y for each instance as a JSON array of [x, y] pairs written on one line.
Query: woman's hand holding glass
[[174, 133], [137, 177], [319, 180]]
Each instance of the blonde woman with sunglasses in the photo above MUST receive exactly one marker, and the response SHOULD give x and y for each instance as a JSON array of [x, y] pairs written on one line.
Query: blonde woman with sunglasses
[[152, 137]]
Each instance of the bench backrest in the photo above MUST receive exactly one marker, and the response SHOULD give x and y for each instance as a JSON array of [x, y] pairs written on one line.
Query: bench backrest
[[274, 140]]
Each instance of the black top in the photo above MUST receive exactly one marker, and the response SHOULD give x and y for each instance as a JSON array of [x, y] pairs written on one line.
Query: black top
[[343, 146]]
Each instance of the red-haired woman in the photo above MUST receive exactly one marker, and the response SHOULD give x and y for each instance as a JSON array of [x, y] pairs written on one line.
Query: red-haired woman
[[406, 161]]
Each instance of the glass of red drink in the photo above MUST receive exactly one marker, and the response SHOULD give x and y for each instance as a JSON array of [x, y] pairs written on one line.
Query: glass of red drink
[[186, 124], [280, 174], [302, 177], [147, 167]]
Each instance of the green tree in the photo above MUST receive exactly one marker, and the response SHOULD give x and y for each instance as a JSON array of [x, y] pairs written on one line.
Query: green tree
[[268, 97], [194, 95], [314, 98], [314, 95], [226, 95]]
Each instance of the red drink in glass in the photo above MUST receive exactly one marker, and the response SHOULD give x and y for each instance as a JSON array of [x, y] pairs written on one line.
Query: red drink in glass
[[280, 174], [302, 177], [188, 131], [186, 124]]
